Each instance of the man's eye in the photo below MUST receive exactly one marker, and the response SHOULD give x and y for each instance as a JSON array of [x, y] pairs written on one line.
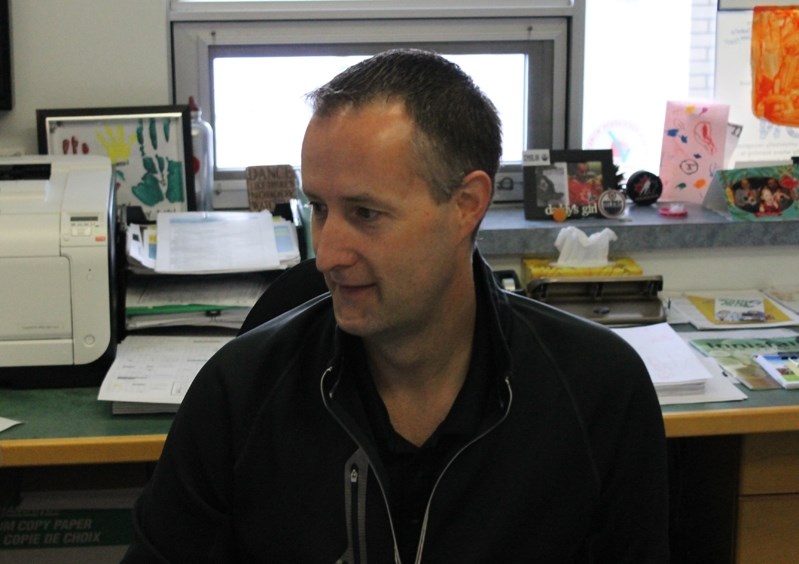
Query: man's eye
[[317, 208], [366, 213]]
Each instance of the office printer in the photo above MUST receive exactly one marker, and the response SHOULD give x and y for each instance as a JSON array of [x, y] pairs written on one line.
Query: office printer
[[57, 283]]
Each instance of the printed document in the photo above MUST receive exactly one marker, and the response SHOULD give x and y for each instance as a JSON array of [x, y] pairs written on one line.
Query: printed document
[[157, 369], [208, 242], [679, 374]]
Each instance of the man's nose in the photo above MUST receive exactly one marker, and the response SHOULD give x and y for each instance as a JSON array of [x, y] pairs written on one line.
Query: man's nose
[[332, 244]]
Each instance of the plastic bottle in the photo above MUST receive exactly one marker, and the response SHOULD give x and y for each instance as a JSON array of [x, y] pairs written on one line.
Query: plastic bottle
[[202, 143]]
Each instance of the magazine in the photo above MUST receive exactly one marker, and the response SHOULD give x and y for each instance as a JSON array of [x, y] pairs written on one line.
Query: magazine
[[783, 367], [735, 356]]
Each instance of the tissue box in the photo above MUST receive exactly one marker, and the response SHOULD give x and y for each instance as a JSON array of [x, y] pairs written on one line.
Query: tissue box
[[547, 268], [756, 194]]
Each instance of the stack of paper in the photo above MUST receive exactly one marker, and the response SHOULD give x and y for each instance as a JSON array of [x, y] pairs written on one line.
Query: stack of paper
[[151, 374], [213, 242], [204, 268], [167, 301], [785, 295], [674, 367], [724, 309]]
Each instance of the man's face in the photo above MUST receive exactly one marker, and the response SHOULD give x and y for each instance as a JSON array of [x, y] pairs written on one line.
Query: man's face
[[386, 248]]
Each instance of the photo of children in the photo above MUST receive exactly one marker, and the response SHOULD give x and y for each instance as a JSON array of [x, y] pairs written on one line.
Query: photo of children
[[764, 196]]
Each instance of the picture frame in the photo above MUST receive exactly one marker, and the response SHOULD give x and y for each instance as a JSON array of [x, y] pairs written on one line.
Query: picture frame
[[149, 146], [769, 193], [6, 82], [566, 184]]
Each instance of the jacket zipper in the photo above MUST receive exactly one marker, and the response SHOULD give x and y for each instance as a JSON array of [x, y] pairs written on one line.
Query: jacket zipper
[[354, 514], [423, 532], [354, 476], [354, 499]]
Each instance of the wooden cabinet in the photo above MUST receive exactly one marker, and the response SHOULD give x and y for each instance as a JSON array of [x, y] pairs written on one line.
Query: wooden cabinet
[[768, 502]]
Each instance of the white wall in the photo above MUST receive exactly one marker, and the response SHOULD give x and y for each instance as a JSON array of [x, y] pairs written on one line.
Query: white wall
[[729, 268], [83, 53]]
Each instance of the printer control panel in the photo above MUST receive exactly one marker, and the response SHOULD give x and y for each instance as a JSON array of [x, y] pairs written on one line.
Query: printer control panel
[[80, 230]]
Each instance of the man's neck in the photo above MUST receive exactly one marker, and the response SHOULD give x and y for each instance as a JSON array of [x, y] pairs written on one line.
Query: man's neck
[[419, 377]]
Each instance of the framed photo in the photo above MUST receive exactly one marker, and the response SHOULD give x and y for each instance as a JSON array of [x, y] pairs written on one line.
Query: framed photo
[[769, 193], [6, 86], [566, 184], [149, 147]]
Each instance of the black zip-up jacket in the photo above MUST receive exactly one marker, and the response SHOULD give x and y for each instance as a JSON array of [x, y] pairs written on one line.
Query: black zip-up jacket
[[265, 461]]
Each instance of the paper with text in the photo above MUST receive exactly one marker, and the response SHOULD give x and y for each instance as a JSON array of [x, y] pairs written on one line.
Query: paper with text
[[157, 368], [207, 242]]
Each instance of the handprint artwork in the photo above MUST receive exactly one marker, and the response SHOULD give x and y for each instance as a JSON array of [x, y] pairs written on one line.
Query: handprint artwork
[[70, 146], [116, 146], [163, 177], [147, 151]]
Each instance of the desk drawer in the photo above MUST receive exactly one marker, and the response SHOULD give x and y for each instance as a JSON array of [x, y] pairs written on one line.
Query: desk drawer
[[770, 464], [767, 529]]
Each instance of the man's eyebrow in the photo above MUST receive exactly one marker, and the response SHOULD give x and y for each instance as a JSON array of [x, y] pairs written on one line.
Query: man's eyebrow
[[363, 198]]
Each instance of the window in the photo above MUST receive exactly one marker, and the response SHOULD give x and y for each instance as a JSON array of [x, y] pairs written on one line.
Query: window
[[259, 108], [250, 77]]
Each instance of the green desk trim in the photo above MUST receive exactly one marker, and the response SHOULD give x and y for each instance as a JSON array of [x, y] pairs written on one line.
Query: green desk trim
[[69, 426]]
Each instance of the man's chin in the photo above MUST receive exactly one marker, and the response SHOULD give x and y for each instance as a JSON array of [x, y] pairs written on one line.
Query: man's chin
[[353, 329], [352, 324]]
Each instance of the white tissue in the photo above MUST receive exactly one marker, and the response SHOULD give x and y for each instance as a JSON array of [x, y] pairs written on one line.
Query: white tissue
[[578, 249]]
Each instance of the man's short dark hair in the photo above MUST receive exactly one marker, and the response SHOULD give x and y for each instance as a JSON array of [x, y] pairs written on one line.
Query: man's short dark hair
[[458, 128]]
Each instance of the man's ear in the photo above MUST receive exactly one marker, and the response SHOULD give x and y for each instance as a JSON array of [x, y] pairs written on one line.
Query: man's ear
[[472, 199]]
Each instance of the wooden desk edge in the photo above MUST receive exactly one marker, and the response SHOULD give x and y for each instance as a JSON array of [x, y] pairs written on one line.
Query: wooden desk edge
[[731, 421], [147, 448], [84, 450]]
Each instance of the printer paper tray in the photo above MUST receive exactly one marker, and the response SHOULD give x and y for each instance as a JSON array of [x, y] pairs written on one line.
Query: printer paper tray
[[50, 352]]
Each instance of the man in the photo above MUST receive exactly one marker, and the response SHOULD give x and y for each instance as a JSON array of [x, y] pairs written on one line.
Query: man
[[584, 188], [417, 412]]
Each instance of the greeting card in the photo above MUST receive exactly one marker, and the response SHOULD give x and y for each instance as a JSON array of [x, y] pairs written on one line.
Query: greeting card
[[693, 149]]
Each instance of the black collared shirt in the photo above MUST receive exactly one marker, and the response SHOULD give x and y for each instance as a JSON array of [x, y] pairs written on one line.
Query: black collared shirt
[[412, 471]]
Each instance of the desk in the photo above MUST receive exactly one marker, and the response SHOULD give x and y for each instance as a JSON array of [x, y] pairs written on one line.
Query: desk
[[734, 474], [766, 411], [69, 426], [719, 453]]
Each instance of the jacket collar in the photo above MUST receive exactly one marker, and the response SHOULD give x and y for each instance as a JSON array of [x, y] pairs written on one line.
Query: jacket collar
[[498, 313]]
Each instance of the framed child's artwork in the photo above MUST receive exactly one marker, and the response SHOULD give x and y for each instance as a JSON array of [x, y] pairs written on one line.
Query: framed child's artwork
[[149, 147], [566, 184]]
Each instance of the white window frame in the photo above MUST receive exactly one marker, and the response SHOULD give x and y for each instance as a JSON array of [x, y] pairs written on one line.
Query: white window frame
[[198, 25], [195, 10]]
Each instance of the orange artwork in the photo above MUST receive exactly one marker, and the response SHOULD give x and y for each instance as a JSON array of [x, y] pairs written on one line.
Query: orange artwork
[[775, 64]]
